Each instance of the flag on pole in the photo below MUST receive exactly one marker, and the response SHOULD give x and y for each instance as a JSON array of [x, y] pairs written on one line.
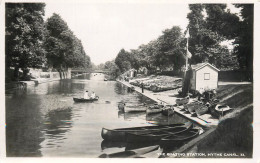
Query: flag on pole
[[187, 33], [189, 55]]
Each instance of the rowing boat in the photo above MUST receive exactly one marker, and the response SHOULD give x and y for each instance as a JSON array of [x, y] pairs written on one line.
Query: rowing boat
[[201, 110], [152, 154], [180, 138], [168, 111], [156, 136], [85, 100], [193, 106], [153, 111], [120, 133], [155, 108], [183, 101], [130, 153], [222, 109]]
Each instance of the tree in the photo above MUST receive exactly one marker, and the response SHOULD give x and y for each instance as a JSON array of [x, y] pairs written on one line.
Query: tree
[[25, 33], [113, 68], [63, 48], [221, 20], [123, 60], [244, 41], [209, 31], [172, 48]]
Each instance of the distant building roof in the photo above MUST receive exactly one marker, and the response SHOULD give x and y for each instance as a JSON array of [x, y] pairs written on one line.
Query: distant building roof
[[201, 65]]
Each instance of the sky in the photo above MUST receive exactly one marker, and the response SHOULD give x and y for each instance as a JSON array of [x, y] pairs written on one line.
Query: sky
[[106, 28]]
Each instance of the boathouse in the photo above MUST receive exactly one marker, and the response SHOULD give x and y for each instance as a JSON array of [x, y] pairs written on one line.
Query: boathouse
[[204, 77]]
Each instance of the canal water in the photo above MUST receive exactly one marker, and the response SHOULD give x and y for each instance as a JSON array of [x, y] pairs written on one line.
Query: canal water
[[43, 120]]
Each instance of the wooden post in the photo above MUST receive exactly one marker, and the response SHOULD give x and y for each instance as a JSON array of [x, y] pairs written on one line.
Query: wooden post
[[185, 72]]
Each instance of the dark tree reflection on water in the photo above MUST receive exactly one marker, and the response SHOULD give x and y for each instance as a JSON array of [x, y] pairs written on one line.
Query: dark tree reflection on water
[[43, 120]]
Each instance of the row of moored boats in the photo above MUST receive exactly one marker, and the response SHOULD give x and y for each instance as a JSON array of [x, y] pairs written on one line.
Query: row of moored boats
[[200, 107], [163, 136]]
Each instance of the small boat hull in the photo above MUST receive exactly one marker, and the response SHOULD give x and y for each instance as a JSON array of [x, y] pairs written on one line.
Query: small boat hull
[[168, 111], [182, 101], [85, 100], [120, 134], [202, 110], [153, 111], [155, 136], [130, 153], [222, 110], [179, 139], [192, 106]]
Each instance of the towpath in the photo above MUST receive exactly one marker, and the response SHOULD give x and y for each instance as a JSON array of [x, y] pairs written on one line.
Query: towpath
[[169, 97]]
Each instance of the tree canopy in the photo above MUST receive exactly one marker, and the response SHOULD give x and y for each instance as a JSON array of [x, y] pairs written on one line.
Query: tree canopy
[[210, 25], [63, 48], [244, 42], [25, 34], [166, 51]]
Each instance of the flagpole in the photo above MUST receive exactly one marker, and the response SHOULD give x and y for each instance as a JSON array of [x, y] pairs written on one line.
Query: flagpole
[[187, 53], [186, 69]]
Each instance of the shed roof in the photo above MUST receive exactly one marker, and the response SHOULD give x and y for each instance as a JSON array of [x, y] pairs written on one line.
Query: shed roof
[[201, 65]]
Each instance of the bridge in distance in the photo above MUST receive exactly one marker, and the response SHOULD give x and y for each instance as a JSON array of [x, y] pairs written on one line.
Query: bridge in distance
[[89, 71]]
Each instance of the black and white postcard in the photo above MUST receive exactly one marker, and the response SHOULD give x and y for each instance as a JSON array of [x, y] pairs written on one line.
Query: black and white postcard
[[129, 79]]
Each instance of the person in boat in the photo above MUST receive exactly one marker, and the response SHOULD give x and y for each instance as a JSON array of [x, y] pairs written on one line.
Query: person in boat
[[89, 95], [86, 95], [92, 95]]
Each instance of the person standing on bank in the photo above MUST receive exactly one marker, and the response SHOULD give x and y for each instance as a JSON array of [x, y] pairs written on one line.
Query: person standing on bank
[[142, 85]]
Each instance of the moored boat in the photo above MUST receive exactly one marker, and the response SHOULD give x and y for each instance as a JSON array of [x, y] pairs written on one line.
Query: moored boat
[[201, 110], [85, 100], [168, 111], [120, 133], [222, 109], [156, 136], [153, 111], [130, 153], [183, 101], [152, 154], [179, 138], [193, 106]]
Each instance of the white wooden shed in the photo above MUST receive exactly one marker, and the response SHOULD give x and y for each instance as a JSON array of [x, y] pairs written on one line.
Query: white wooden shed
[[204, 77]]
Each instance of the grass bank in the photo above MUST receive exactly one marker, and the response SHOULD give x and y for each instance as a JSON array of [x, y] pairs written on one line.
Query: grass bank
[[233, 136]]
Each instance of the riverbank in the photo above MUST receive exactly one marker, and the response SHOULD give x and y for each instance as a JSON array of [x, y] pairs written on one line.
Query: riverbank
[[230, 136], [24, 84], [169, 97]]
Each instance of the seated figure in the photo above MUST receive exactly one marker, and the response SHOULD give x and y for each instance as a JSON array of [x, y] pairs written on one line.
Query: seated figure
[[93, 95], [86, 95]]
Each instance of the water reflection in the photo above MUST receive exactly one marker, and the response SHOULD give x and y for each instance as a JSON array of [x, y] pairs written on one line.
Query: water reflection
[[43, 120], [23, 131], [58, 122], [130, 116], [108, 144]]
